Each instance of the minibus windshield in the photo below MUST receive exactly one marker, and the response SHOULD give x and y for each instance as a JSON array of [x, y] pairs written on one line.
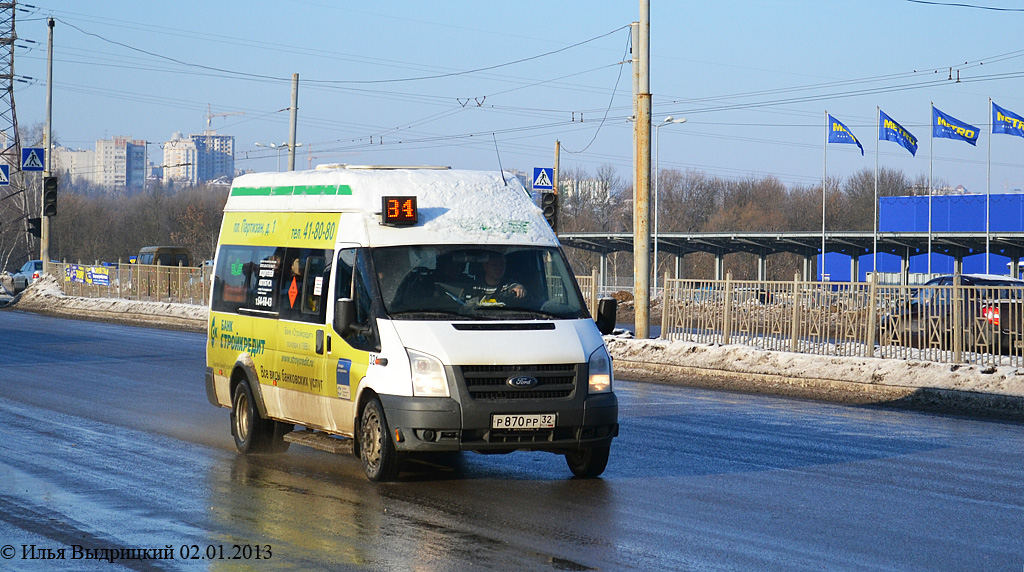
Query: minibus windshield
[[444, 282]]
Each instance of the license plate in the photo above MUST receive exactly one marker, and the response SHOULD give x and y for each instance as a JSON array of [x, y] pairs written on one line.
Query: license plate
[[534, 421]]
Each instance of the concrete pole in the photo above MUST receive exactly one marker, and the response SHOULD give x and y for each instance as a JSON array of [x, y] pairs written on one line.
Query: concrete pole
[[642, 200], [558, 157], [294, 119], [44, 221]]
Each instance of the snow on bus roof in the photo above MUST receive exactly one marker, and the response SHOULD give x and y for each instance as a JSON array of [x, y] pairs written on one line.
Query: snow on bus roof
[[454, 205]]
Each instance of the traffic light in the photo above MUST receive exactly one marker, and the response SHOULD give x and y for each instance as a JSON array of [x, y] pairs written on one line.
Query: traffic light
[[549, 206], [50, 196], [34, 227]]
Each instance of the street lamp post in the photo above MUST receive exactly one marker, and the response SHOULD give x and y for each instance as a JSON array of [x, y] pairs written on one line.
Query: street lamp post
[[279, 148], [657, 175]]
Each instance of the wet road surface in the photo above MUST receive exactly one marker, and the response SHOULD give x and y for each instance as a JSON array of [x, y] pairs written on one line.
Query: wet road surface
[[109, 442]]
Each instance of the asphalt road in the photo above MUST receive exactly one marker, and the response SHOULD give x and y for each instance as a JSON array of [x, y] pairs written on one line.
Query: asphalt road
[[109, 442]]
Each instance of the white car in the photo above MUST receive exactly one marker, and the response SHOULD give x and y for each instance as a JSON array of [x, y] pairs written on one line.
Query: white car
[[29, 272]]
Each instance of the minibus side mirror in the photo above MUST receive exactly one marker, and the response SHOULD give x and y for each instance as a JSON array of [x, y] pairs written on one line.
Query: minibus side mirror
[[344, 315], [345, 318], [606, 310]]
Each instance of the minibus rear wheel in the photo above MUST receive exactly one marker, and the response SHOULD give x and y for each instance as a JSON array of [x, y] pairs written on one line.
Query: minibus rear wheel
[[252, 433], [588, 462], [378, 454]]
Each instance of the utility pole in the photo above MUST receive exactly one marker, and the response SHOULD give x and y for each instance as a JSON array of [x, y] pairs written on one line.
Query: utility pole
[[642, 178], [294, 119], [44, 221], [558, 156]]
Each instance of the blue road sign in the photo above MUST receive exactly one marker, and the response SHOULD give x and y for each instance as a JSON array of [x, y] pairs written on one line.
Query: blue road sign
[[32, 159], [5, 174], [543, 178]]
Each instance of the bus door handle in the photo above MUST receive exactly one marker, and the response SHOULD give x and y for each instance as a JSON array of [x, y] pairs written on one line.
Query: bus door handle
[[320, 342]]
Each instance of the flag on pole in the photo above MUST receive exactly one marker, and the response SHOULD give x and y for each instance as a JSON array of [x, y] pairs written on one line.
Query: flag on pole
[[889, 130], [1005, 121], [945, 125], [838, 133]]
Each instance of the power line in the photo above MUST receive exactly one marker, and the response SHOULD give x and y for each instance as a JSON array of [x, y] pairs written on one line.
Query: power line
[[340, 82], [960, 5]]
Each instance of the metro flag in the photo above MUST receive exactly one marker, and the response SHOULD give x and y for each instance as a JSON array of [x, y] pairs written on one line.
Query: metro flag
[[838, 133], [889, 130], [945, 125], [1006, 121]]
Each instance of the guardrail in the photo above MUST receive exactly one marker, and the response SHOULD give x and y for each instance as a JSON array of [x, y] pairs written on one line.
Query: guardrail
[[948, 324], [589, 288], [184, 284]]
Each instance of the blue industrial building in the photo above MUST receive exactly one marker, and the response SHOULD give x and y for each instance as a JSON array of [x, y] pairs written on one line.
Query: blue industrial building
[[950, 213]]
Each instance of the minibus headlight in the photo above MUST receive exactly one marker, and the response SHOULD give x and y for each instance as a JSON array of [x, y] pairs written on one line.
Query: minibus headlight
[[600, 366], [428, 377]]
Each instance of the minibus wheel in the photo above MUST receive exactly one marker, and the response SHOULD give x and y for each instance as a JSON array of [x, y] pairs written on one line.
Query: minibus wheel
[[377, 452], [252, 433], [588, 462]]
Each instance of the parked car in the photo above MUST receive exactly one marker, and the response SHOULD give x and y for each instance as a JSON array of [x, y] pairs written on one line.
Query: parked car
[[164, 255], [991, 315], [29, 272]]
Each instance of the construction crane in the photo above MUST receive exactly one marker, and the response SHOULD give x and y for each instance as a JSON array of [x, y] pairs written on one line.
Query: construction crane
[[210, 115]]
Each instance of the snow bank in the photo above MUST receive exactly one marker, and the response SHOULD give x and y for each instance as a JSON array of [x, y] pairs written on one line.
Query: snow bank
[[44, 296], [644, 357], [845, 379]]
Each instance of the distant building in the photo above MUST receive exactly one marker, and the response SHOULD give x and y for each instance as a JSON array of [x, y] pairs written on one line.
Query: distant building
[[117, 164], [180, 159], [74, 164], [121, 164], [200, 158]]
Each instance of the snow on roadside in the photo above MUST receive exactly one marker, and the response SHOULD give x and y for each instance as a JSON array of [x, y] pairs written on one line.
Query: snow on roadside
[[1004, 380], [45, 296]]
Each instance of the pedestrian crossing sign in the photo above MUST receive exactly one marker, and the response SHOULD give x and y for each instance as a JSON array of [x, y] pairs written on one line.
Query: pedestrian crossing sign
[[542, 177], [5, 174], [32, 159]]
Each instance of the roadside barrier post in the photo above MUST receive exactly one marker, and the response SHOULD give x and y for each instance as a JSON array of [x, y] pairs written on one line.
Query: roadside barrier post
[[869, 350], [794, 328], [727, 312], [665, 298], [958, 318]]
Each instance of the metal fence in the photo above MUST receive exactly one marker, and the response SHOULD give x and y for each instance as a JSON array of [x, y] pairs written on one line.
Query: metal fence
[[950, 324], [589, 288], [184, 284]]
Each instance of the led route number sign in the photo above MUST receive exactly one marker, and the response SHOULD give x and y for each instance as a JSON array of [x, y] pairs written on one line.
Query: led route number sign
[[399, 211]]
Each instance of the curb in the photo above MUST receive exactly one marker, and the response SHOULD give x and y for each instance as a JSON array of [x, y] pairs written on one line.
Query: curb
[[730, 377], [931, 399]]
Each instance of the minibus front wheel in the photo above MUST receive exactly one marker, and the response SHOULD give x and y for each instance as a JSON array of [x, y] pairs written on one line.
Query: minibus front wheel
[[378, 454], [252, 433], [588, 462]]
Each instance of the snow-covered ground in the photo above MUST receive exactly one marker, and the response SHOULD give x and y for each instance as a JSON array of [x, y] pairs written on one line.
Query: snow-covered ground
[[639, 359]]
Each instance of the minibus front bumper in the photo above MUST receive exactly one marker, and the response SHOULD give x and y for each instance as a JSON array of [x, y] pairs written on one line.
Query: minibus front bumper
[[452, 424]]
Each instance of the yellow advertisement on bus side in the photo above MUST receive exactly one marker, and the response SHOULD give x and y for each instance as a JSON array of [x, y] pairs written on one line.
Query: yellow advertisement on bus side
[[298, 230]]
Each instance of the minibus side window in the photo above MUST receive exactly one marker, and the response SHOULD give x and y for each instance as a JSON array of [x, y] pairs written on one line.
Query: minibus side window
[[351, 261], [316, 286], [231, 279], [266, 279]]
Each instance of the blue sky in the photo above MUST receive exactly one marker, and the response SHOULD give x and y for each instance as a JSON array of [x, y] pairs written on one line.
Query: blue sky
[[448, 82]]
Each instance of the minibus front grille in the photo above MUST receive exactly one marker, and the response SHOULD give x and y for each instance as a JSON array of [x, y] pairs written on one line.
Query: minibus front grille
[[490, 382]]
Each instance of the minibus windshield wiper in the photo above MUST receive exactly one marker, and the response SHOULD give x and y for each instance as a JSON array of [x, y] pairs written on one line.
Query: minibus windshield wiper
[[428, 315]]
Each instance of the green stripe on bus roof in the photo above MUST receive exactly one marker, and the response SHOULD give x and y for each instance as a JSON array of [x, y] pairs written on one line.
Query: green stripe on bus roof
[[291, 190], [250, 192]]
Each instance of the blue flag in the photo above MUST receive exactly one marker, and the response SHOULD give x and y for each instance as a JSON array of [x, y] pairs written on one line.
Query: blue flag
[[838, 133], [1004, 121], [889, 130], [944, 125]]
